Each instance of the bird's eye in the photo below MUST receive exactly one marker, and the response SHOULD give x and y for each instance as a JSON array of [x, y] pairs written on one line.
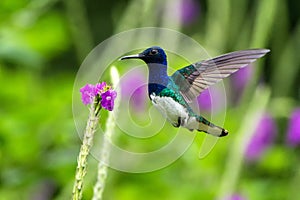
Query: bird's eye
[[153, 52]]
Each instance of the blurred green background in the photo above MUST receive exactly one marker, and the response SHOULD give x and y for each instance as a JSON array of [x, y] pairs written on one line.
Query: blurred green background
[[43, 43]]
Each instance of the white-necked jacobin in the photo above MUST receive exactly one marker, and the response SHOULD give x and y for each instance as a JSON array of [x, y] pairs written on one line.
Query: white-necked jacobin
[[171, 94]]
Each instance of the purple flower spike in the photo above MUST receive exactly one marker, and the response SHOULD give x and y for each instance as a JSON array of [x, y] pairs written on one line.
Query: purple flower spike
[[293, 133], [211, 99], [108, 99], [204, 100], [235, 197], [190, 10], [262, 138], [240, 80], [87, 94], [102, 90]]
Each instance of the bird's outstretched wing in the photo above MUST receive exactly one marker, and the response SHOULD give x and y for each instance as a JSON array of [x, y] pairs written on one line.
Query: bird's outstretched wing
[[195, 78]]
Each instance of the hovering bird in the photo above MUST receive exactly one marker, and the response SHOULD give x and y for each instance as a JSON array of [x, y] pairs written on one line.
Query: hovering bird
[[171, 94]]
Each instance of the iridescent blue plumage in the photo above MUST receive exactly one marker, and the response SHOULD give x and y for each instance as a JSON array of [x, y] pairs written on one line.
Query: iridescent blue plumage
[[171, 94]]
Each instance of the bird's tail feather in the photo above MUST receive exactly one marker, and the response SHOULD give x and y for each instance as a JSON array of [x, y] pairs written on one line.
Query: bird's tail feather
[[210, 128]]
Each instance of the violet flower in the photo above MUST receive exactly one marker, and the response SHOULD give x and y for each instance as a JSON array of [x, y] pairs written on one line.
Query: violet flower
[[263, 137], [106, 95], [87, 94], [240, 80], [210, 99], [293, 133], [204, 100], [189, 11], [242, 77], [235, 197], [108, 99], [101, 88]]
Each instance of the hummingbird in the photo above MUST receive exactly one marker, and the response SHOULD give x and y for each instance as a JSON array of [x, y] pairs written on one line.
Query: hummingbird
[[171, 95]]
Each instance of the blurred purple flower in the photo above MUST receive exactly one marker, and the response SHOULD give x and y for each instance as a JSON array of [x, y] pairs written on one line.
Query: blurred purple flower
[[204, 100], [133, 87], [210, 99], [293, 133], [235, 197], [240, 79], [263, 137], [108, 99], [189, 11], [87, 93]]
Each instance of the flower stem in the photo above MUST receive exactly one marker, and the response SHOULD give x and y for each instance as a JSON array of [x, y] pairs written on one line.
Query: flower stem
[[105, 152], [102, 166], [84, 152], [234, 163]]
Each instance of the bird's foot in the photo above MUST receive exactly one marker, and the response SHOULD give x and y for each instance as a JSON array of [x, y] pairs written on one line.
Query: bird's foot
[[178, 123]]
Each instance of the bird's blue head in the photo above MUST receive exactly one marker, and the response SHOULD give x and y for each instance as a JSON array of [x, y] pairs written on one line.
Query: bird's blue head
[[153, 54]]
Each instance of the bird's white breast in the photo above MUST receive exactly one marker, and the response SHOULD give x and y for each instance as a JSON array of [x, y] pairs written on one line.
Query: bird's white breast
[[169, 108]]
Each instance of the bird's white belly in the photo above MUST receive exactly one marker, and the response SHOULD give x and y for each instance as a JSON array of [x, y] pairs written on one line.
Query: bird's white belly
[[170, 109]]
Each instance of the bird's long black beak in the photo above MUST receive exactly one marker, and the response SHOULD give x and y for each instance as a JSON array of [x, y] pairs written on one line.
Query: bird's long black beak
[[136, 56]]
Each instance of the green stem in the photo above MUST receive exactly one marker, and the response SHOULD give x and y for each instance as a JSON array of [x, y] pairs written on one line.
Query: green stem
[[105, 152], [79, 27], [236, 152], [294, 185], [84, 152]]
